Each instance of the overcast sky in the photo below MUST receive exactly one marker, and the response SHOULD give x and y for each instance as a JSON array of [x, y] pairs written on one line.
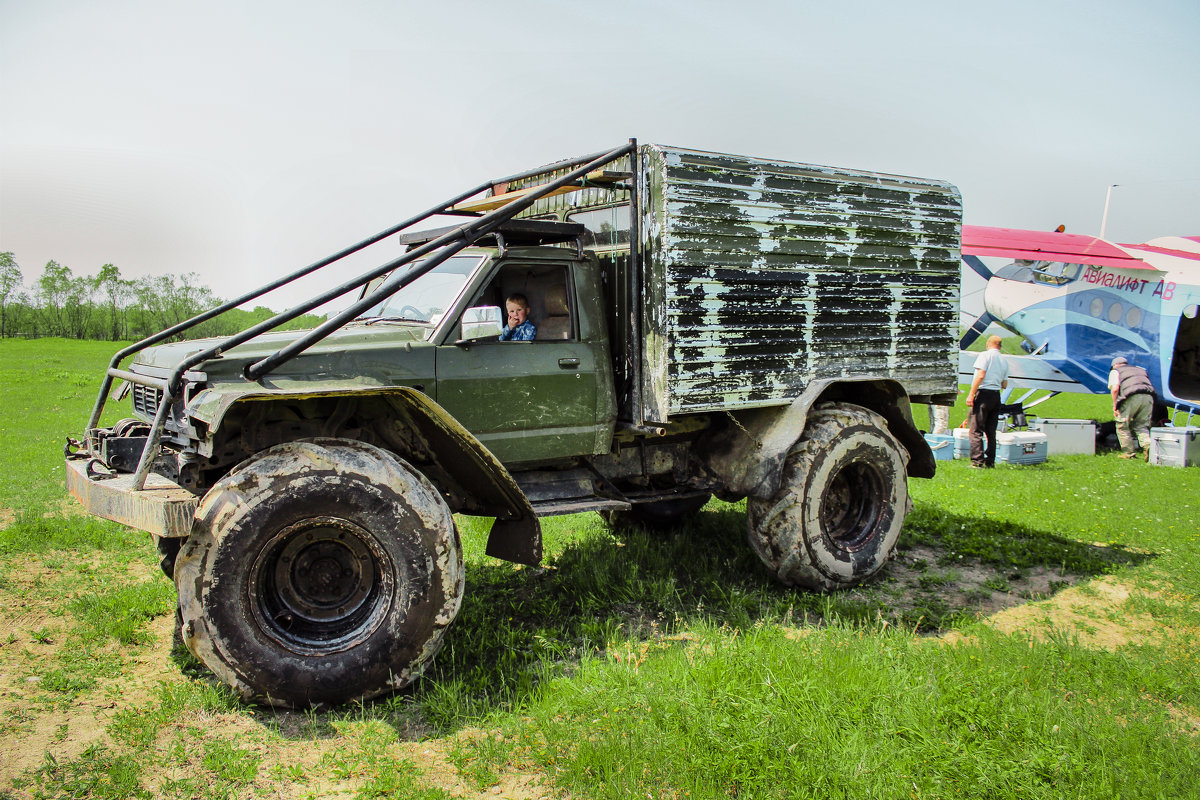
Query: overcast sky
[[243, 140]]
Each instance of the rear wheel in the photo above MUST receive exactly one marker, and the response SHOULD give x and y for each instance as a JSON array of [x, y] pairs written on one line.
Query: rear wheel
[[840, 505], [320, 571]]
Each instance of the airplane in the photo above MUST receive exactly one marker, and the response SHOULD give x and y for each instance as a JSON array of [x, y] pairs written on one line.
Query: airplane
[[1078, 301]]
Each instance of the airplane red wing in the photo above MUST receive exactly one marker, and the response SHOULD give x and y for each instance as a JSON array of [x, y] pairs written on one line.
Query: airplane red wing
[[1073, 248]]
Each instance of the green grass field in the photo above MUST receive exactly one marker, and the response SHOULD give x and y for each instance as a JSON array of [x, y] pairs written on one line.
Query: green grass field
[[1035, 636]]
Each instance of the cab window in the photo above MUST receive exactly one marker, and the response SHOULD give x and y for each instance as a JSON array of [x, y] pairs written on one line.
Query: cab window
[[547, 290]]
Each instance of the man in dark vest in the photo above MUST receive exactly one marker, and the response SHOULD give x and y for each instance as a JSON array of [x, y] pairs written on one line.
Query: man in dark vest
[[1133, 401]]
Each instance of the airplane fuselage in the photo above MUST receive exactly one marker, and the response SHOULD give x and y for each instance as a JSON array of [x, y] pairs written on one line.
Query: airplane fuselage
[[1079, 316]]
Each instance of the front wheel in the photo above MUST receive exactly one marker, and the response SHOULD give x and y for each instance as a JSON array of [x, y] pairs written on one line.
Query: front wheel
[[840, 505], [320, 571]]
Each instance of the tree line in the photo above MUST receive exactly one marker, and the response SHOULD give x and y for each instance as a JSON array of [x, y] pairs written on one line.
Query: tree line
[[108, 306]]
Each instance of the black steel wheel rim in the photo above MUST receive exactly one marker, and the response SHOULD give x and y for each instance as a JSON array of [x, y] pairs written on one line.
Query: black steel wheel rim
[[321, 585], [852, 506]]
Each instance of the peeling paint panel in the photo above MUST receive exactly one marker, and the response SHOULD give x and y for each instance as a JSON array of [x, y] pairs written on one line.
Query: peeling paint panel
[[762, 276]]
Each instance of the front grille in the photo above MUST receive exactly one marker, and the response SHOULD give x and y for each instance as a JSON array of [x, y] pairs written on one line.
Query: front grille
[[146, 400]]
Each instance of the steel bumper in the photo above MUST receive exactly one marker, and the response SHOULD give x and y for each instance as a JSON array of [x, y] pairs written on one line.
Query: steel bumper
[[162, 508]]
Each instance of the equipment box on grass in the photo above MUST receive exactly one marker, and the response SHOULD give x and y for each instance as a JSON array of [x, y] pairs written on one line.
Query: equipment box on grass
[[1067, 437], [1175, 447], [1021, 447], [962, 443], [942, 445]]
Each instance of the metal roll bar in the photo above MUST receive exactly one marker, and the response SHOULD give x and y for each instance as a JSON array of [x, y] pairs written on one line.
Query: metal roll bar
[[450, 243]]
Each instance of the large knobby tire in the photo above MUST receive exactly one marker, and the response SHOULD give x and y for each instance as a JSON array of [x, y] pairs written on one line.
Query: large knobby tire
[[319, 571], [840, 505]]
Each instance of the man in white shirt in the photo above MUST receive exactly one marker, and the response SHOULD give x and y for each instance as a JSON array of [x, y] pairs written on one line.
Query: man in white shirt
[[991, 375]]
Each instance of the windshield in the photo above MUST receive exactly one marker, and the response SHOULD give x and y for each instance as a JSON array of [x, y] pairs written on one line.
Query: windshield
[[426, 299]]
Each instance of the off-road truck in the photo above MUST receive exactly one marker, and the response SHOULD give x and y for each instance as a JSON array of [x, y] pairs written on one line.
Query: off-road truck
[[707, 324]]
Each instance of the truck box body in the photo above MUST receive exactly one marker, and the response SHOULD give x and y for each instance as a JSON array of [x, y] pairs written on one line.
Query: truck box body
[[762, 276]]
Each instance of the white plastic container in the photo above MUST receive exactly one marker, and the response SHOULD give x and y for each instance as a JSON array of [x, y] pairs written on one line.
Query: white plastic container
[[962, 443], [1175, 447], [1067, 437]]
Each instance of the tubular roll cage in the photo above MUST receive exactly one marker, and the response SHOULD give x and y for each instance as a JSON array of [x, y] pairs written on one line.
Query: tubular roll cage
[[450, 243]]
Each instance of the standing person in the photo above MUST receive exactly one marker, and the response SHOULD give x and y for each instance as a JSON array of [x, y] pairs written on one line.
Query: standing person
[[1133, 402], [991, 375]]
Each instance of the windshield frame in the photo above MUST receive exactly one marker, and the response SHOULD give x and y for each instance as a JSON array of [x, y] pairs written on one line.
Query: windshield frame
[[431, 327]]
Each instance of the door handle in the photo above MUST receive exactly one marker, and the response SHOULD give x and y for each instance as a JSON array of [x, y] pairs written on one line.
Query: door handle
[[568, 363]]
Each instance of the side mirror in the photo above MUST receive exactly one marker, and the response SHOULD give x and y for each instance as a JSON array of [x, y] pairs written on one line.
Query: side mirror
[[481, 322]]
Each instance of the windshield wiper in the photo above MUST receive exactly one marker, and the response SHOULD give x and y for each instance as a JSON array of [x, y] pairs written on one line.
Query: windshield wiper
[[373, 320]]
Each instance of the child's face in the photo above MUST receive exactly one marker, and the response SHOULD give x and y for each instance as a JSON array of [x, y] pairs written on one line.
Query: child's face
[[517, 313]]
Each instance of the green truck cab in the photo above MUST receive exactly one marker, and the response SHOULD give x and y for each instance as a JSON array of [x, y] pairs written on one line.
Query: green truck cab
[[707, 325]]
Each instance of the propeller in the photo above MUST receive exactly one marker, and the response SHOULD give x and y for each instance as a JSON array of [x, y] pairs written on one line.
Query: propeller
[[976, 330], [985, 319], [974, 263]]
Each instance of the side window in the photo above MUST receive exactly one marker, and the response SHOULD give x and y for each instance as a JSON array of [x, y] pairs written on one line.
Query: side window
[[607, 228], [546, 290]]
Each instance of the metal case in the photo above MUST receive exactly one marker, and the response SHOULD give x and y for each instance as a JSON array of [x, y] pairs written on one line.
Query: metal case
[[1021, 447], [1067, 436], [1175, 447]]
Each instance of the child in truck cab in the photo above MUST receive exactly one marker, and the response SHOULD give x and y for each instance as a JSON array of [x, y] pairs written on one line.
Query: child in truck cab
[[519, 328]]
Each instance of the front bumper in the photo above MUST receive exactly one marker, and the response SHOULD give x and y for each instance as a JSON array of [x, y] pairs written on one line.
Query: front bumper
[[162, 508]]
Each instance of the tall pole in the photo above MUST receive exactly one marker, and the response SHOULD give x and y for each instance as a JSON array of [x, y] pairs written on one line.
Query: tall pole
[[1107, 198]]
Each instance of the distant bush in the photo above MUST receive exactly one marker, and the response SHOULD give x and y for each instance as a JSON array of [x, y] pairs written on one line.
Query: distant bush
[[107, 306]]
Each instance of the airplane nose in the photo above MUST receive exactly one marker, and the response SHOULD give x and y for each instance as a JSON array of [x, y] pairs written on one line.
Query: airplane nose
[[1008, 300], [1001, 298]]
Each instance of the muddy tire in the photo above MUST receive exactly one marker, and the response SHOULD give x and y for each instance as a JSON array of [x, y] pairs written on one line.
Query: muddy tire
[[657, 515], [319, 571], [168, 550], [840, 505]]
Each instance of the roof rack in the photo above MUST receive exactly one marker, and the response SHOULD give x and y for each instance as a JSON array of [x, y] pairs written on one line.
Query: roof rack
[[512, 233]]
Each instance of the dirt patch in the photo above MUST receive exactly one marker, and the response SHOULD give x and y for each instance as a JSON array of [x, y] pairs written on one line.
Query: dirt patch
[[33, 630], [7, 517], [1096, 613], [433, 758], [325, 764], [915, 586], [66, 507]]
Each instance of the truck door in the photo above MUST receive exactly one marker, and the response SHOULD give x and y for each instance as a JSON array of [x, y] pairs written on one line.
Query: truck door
[[531, 400]]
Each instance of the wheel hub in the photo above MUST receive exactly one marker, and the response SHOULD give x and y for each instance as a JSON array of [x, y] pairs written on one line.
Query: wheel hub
[[318, 585], [852, 505]]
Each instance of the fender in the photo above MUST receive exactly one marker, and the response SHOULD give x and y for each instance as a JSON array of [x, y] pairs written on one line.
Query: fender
[[745, 458], [410, 423]]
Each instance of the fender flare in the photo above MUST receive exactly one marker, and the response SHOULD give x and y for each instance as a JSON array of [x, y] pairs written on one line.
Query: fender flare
[[745, 458], [447, 452]]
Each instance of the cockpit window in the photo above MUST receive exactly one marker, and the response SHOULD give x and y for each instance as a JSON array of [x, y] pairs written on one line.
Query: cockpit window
[[1017, 271], [1055, 272], [1051, 272], [425, 300]]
